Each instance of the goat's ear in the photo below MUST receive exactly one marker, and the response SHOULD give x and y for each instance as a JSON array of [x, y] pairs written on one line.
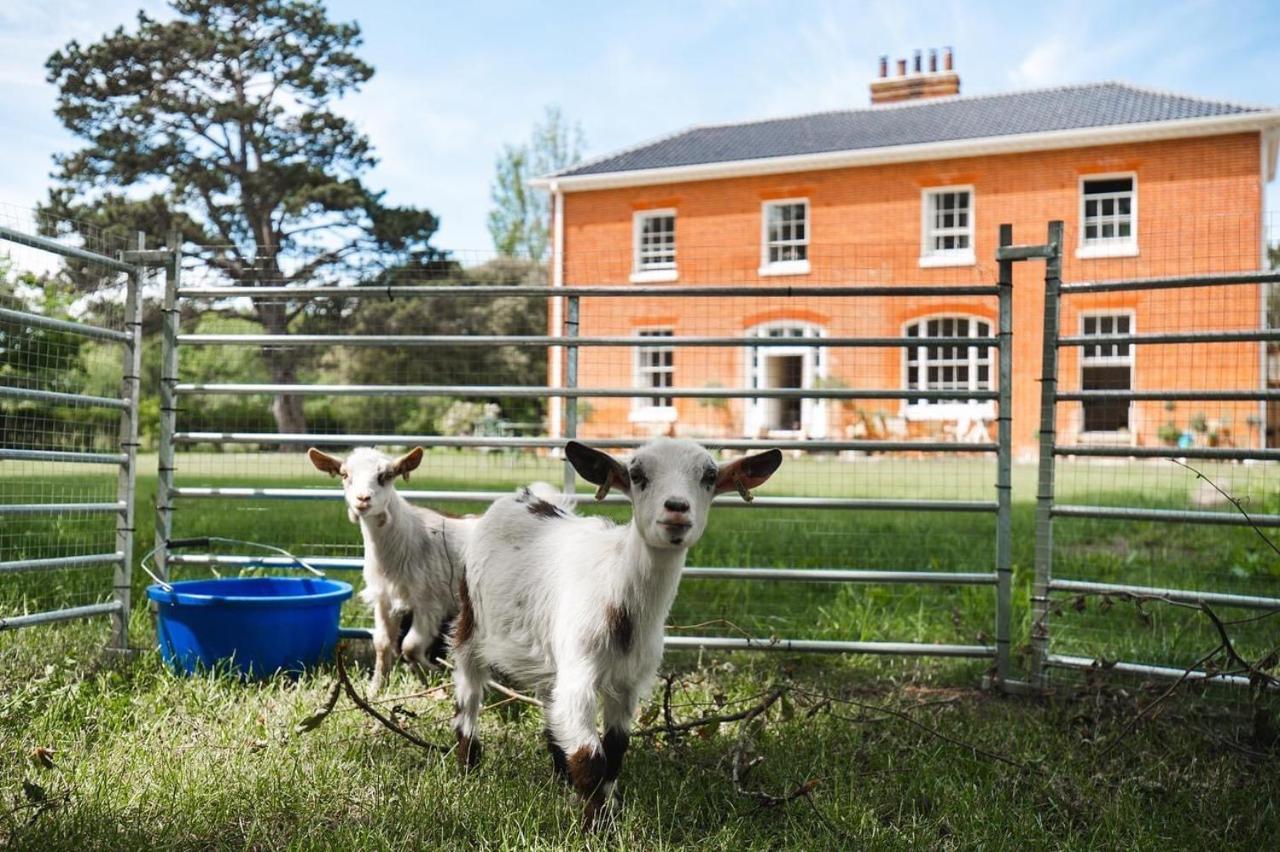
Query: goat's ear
[[748, 472], [324, 462], [598, 468], [407, 462]]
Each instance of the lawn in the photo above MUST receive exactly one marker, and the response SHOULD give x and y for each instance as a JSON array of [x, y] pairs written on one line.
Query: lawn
[[904, 753]]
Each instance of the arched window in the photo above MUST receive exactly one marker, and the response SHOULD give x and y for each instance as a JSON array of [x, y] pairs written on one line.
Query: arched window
[[948, 366]]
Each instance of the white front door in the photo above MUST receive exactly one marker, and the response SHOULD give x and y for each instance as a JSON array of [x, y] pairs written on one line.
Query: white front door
[[790, 368]]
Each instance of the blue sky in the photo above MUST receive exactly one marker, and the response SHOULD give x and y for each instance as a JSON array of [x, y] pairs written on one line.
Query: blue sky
[[456, 81]]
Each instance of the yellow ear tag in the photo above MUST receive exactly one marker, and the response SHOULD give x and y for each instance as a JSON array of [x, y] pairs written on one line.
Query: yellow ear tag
[[742, 488]]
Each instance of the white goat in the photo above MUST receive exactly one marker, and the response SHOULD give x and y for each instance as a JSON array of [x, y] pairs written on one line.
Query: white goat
[[572, 606], [413, 557]]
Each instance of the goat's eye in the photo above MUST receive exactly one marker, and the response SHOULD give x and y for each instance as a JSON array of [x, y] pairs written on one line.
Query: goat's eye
[[709, 478], [638, 479], [385, 477]]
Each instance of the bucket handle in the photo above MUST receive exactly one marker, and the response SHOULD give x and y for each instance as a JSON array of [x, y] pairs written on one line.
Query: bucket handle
[[204, 541]]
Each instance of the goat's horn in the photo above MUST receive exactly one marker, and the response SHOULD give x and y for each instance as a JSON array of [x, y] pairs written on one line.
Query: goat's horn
[[603, 490], [742, 488]]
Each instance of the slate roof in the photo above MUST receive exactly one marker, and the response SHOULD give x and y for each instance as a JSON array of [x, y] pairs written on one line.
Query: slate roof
[[934, 120]]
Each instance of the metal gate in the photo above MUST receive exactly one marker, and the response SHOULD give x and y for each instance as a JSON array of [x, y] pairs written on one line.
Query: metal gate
[[195, 461], [1146, 445], [49, 487]]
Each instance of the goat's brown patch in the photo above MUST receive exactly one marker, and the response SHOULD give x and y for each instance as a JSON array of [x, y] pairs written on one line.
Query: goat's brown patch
[[618, 622], [382, 519], [468, 752], [466, 623], [615, 746], [586, 771]]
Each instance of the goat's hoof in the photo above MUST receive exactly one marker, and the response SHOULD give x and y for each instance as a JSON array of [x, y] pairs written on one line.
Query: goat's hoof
[[468, 752]]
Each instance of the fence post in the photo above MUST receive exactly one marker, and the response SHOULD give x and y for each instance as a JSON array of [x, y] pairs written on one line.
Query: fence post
[[127, 480], [168, 407], [1004, 465], [570, 381], [1044, 486]]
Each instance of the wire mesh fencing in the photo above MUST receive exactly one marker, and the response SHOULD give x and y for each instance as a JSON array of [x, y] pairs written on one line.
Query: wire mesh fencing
[[879, 533], [1155, 547], [70, 350]]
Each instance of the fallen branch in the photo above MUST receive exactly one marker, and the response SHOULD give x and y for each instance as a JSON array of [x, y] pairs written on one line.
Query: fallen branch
[[387, 723], [741, 716]]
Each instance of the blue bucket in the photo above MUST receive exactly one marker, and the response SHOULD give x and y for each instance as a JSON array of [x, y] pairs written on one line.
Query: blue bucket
[[259, 625]]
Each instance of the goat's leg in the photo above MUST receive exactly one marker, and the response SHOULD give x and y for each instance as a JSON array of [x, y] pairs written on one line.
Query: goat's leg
[[386, 632], [417, 645], [559, 762], [619, 712], [572, 719], [469, 676]]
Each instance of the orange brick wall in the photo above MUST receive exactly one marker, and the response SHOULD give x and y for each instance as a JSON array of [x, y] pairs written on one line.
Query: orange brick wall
[[1199, 210]]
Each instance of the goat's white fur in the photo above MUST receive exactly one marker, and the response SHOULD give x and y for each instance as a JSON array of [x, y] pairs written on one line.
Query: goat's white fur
[[413, 557], [549, 592]]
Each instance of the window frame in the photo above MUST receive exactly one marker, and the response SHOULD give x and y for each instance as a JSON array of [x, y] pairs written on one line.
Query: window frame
[[1107, 246], [929, 258], [954, 409], [642, 408], [784, 267], [1128, 360], [640, 274]]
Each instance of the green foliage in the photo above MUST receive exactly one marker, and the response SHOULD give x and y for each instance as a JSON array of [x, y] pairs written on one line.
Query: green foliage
[[220, 124], [518, 222]]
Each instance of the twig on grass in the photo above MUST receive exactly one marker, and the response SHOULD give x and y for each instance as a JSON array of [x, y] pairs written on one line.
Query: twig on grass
[[671, 727], [387, 723]]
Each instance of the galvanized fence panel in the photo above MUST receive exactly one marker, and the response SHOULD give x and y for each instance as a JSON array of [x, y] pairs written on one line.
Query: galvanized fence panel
[[1157, 485], [65, 519], [858, 524]]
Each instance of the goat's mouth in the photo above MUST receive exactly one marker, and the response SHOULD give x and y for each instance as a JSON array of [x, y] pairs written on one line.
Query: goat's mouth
[[676, 530]]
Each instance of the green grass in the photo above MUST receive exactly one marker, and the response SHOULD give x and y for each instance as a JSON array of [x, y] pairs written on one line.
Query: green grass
[[145, 759]]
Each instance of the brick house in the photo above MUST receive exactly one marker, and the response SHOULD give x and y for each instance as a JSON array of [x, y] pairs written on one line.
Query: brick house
[[911, 191]]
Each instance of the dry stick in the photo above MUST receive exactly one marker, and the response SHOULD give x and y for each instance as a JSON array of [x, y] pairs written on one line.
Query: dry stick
[[1157, 701], [741, 716], [497, 687], [364, 705]]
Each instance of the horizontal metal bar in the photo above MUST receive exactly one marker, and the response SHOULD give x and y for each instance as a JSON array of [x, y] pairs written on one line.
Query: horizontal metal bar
[[523, 391], [16, 621], [1181, 595], [148, 257], [1025, 252], [1171, 282], [809, 575], [832, 575], [84, 329], [62, 398], [1174, 395], [614, 499], [62, 456], [904, 649], [1182, 516], [355, 633], [58, 508], [16, 565], [1219, 453], [817, 446], [452, 340], [54, 247], [1087, 663], [588, 291], [1251, 336]]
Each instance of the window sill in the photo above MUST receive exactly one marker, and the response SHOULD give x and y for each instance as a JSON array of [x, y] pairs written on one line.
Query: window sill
[[785, 267], [654, 276], [1116, 249], [653, 414], [930, 261], [985, 410]]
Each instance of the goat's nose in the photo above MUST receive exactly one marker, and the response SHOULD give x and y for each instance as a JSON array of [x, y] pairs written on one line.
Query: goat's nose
[[362, 498], [676, 505]]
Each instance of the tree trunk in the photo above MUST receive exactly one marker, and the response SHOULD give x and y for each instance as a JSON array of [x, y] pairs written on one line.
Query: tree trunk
[[282, 362]]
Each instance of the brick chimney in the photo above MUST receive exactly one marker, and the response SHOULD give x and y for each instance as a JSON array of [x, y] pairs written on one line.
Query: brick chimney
[[914, 81]]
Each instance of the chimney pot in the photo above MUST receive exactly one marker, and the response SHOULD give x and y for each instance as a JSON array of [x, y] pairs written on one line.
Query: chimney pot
[[917, 62], [902, 67], [948, 61], [933, 60], [884, 67]]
